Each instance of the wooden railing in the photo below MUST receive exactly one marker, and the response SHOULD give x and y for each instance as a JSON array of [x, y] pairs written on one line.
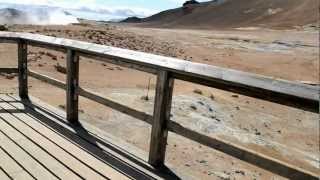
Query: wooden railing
[[167, 69]]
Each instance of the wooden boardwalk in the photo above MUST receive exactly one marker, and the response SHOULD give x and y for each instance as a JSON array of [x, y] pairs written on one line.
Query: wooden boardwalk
[[77, 152], [37, 143]]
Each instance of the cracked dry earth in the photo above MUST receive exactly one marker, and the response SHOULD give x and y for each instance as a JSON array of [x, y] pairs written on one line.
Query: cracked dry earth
[[284, 133]]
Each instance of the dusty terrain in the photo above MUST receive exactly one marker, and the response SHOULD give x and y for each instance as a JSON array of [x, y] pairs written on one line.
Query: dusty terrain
[[281, 132]]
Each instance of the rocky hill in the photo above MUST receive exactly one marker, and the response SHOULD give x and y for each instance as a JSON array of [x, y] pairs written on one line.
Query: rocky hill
[[238, 13]]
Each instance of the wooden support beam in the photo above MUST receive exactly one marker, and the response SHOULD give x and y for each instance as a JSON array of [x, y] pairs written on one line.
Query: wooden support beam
[[72, 87], [161, 116], [9, 70], [120, 62], [23, 69], [115, 105], [283, 97], [47, 79]]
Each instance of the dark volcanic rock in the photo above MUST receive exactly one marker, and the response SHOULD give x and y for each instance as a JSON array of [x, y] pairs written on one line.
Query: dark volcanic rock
[[190, 2], [3, 28], [132, 20]]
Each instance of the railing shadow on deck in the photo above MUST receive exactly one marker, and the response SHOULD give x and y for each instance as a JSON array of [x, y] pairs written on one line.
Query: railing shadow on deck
[[85, 140]]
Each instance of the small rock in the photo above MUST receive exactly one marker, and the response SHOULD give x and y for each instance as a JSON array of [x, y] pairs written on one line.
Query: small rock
[[193, 107], [145, 98], [62, 106], [198, 91], [235, 96], [3, 28], [203, 161], [60, 68], [212, 97], [201, 103], [119, 68], [240, 172], [53, 57], [9, 76]]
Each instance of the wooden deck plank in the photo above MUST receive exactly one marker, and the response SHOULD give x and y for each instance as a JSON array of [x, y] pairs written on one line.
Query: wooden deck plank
[[107, 148], [22, 157], [66, 144], [12, 168], [50, 162], [61, 155], [4, 175]]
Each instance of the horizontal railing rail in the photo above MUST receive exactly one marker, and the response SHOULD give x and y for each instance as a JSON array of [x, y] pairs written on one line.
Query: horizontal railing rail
[[167, 69]]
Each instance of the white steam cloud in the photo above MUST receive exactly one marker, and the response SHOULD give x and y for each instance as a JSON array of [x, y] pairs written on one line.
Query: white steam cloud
[[36, 17]]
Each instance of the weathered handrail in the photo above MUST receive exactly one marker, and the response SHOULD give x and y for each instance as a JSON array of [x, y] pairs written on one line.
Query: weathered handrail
[[167, 69]]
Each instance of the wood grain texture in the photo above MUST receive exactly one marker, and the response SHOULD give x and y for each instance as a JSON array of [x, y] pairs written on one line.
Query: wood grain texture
[[161, 116], [47, 79], [9, 70], [44, 153], [23, 69], [79, 152], [72, 99], [116, 106]]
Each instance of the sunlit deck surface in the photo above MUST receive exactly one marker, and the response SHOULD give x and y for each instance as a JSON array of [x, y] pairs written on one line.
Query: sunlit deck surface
[[37, 143]]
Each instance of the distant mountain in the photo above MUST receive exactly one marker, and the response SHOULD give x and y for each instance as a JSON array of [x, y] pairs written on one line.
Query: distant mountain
[[237, 13], [132, 20]]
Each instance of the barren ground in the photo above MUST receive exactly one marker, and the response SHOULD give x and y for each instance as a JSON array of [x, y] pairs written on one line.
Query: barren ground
[[285, 133]]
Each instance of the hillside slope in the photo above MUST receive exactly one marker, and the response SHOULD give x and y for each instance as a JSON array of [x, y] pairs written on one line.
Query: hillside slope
[[239, 13]]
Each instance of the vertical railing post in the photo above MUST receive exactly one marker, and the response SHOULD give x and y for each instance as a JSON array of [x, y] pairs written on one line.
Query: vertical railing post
[[72, 87], [23, 69], [161, 115]]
